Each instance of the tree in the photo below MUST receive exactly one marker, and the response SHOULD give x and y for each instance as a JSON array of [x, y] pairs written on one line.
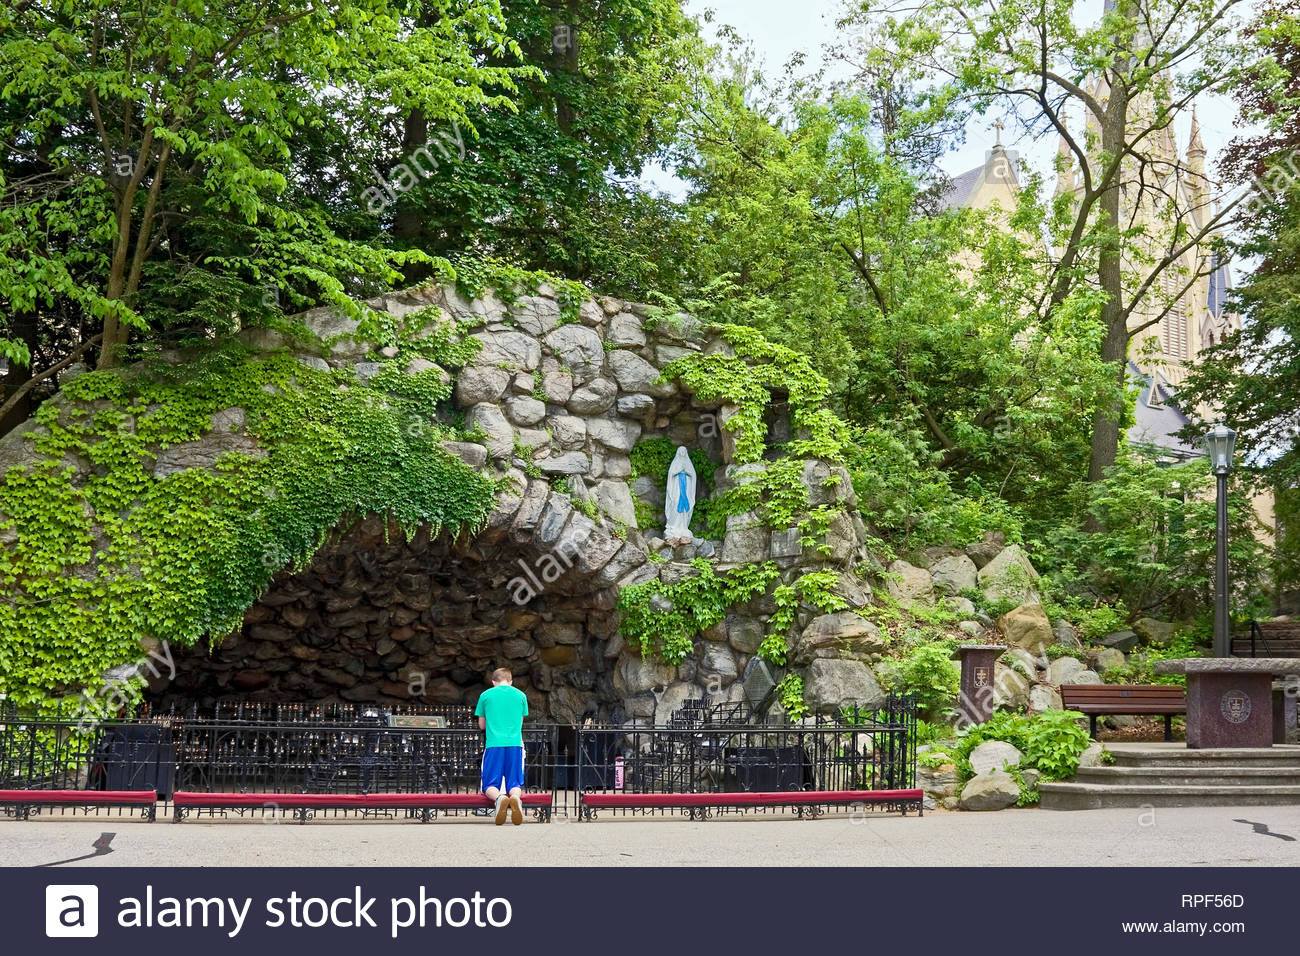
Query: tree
[[554, 183], [1130, 228], [147, 154], [806, 226]]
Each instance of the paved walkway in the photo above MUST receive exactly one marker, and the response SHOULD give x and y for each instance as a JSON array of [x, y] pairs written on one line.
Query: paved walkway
[[1163, 837]]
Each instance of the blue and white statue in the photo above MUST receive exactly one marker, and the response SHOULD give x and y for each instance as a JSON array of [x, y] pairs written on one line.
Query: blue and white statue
[[679, 502]]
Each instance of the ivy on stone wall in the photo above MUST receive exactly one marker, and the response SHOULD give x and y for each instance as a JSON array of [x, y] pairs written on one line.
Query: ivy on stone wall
[[748, 378], [101, 553], [661, 620]]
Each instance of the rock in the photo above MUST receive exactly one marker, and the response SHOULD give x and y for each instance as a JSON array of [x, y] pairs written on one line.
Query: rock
[[1010, 687], [1031, 777], [954, 573], [471, 454], [1155, 632], [994, 755], [746, 541], [1010, 575], [996, 790], [570, 463], [718, 664], [830, 684], [844, 634], [557, 385], [1026, 662], [1027, 626], [480, 383], [204, 452], [912, 584], [510, 351], [938, 782], [1091, 756], [1043, 697], [525, 410], [982, 552], [1063, 670], [635, 374], [635, 675], [500, 440], [1066, 636], [593, 398], [1108, 658], [613, 433], [536, 314], [744, 634], [971, 628], [614, 499], [961, 605], [1120, 640], [626, 330], [639, 407], [579, 349], [1085, 677], [569, 431]]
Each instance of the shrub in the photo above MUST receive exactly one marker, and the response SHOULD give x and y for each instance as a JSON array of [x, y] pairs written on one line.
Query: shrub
[[927, 670]]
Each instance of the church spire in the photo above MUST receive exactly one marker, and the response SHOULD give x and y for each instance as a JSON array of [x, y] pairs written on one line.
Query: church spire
[[1197, 183]]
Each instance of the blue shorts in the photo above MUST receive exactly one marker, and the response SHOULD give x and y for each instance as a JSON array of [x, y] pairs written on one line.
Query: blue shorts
[[503, 763]]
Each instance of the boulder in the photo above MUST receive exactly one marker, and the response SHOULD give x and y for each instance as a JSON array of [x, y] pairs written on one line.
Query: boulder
[[1063, 670], [1120, 640], [961, 605], [1091, 756], [1108, 658], [911, 585], [615, 500], [525, 410], [1066, 635], [995, 790], [512, 351], [1085, 677], [500, 440], [1010, 688], [615, 434], [994, 755], [938, 782], [1026, 662], [1027, 626], [830, 684], [636, 675], [635, 374], [1010, 575], [480, 383], [844, 634], [973, 629], [1043, 697], [954, 573], [579, 349], [593, 398], [626, 330], [1155, 632], [982, 552]]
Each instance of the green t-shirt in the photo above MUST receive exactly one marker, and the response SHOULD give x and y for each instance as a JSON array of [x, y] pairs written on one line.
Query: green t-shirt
[[505, 708]]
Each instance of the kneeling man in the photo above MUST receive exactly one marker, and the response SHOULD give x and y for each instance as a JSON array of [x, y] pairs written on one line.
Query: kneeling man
[[501, 711]]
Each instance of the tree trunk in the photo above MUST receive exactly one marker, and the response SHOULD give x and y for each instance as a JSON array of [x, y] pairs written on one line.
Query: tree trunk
[[23, 326]]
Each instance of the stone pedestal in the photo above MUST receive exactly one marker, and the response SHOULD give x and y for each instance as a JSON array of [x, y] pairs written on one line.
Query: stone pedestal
[[977, 668], [1229, 700]]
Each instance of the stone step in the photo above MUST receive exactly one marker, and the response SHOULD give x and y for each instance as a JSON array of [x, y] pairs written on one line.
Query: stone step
[[1099, 796], [1178, 755], [1203, 775]]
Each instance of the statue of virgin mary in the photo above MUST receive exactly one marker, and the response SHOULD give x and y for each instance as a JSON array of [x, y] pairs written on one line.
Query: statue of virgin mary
[[679, 502]]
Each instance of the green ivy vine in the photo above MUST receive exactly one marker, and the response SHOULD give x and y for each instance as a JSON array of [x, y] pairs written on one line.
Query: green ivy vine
[[661, 620], [100, 553]]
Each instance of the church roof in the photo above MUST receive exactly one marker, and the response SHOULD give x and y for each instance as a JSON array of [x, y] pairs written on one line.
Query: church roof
[[1158, 418], [999, 166]]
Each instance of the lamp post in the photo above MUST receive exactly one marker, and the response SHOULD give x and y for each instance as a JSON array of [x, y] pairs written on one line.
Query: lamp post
[[1219, 444]]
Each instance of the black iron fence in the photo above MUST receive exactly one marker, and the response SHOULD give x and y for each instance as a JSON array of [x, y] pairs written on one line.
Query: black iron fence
[[702, 750]]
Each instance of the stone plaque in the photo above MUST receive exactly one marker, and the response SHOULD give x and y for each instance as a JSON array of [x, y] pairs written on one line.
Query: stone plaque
[[1235, 707]]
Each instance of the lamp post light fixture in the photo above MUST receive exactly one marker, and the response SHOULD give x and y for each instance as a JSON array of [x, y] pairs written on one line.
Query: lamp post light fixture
[[1219, 445]]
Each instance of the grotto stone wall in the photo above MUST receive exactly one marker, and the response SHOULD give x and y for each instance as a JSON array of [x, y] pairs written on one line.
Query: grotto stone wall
[[557, 406]]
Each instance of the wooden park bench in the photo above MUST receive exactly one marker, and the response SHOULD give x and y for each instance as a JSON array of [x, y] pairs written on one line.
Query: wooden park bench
[[305, 805], [1097, 700], [699, 805], [24, 801]]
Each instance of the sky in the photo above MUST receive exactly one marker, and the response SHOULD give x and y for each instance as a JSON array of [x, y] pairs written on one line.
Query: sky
[[781, 28]]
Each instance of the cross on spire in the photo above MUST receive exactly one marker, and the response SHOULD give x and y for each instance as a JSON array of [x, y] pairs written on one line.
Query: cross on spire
[[998, 126]]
